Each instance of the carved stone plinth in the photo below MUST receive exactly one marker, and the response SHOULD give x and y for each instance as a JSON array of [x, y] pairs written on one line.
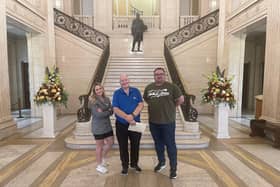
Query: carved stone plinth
[[49, 120], [221, 121]]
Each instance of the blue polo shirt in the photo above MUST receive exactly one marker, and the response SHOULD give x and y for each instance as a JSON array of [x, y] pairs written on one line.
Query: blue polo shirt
[[127, 103]]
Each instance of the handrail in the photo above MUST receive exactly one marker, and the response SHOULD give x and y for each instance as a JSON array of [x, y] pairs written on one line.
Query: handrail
[[80, 29], [83, 113], [192, 30], [178, 37], [189, 112], [94, 37]]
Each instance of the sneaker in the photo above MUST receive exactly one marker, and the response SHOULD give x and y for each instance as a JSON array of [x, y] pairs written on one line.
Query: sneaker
[[100, 168], [159, 167], [124, 171], [173, 174], [104, 163], [136, 168]]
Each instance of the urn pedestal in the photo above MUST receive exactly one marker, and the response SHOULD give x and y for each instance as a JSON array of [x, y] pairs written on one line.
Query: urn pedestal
[[221, 121], [49, 120]]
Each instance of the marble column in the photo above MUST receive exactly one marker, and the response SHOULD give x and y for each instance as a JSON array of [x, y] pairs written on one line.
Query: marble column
[[103, 15], [271, 89], [236, 69], [50, 58], [7, 124], [221, 51], [68, 7]]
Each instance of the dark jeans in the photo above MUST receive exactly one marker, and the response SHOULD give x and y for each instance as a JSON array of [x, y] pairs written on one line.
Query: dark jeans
[[164, 135], [122, 135]]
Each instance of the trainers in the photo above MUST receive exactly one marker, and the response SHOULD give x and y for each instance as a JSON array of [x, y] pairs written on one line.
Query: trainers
[[136, 168], [159, 167], [104, 163], [124, 171], [173, 174], [100, 168]]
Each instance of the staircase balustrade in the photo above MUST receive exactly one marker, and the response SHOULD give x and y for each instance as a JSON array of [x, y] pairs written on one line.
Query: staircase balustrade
[[88, 20], [94, 37], [189, 112], [185, 20], [123, 23], [175, 39], [80, 29], [192, 30]]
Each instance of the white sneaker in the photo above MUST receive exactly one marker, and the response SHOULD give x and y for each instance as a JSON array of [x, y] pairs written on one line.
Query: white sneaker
[[104, 163], [100, 168]]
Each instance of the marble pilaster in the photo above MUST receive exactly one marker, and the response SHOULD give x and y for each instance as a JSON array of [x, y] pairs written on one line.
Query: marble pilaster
[[103, 19], [271, 89], [236, 69], [221, 56], [7, 124]]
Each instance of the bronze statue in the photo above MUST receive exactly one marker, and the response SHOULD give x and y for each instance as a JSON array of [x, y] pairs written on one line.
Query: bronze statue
[[137, 29]]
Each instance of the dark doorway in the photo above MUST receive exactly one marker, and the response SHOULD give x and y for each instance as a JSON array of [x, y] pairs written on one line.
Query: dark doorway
[[25, 85]]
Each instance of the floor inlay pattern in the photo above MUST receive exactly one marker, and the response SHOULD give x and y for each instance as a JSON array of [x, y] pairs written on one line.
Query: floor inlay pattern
[[46, 162]]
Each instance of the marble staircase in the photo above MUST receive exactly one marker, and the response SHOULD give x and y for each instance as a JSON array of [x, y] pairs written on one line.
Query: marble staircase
[[140, 73]]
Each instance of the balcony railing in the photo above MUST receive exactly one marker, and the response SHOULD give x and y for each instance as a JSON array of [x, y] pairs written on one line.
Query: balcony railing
[[192, 30], [123, 23], [185, 20]]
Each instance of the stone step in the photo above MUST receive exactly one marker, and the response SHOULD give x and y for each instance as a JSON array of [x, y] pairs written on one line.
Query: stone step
[[130, 73], [114, 85], [131, 77], [140, 73], [147, 60], [202, 142], [131, 80], [135, 64], [144, 69]]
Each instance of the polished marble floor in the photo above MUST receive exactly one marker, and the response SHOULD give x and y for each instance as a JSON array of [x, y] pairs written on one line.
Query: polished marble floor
[[239, 161]]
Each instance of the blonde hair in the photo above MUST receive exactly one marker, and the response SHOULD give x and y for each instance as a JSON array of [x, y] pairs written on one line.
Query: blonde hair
[[93, 94]]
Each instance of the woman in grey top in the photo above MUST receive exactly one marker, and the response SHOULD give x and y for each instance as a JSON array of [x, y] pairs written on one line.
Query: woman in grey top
[[101, 110]]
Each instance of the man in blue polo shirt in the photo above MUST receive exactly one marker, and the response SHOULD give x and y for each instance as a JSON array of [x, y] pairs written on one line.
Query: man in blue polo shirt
[[127, 105]]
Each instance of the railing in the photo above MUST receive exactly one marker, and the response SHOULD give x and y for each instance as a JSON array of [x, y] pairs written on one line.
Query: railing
[[134, 11], [178, 37], [124, 22], [80, 29], [192, 30], [88, 20], [185, 20], [95, 37], [189, 112]]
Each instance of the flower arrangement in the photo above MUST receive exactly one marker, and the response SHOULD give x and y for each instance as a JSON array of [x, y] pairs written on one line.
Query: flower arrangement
[[52, 90], [219, 90]]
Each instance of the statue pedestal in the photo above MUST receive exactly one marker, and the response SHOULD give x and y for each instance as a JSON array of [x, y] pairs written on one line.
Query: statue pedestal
[[221, 121]]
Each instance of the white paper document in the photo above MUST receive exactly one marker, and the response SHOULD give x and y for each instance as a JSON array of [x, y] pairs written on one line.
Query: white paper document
[[138, 127]]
